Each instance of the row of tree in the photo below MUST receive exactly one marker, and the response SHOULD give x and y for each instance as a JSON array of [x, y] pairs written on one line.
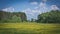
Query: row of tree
[[12, 16], [49, 17]]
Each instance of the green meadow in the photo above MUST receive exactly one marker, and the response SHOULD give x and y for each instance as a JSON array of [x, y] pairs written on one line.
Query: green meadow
[[29, 28]]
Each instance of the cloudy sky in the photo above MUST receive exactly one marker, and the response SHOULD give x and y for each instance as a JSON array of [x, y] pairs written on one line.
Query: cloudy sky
[[31, 7]]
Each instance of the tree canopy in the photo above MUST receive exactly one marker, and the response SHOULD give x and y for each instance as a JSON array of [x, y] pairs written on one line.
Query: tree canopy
[[12, 16], [49, 17]]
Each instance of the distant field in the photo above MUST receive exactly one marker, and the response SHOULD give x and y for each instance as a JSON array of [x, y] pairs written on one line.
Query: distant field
[[29, 28]]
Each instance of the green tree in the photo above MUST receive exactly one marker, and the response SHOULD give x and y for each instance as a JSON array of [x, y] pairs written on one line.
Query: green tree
[[12, 16], [15, 19], [49, 17]]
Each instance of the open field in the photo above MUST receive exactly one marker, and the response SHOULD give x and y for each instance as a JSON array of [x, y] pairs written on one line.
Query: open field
[[29, 28]]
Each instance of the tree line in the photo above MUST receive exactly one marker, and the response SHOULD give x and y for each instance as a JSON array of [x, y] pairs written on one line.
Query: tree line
[[49, 17], [52, 16], [12, 16]]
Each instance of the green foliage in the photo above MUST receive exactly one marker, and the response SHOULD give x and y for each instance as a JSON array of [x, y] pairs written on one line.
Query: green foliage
[[49, 17], [15, 19], [12, 17]]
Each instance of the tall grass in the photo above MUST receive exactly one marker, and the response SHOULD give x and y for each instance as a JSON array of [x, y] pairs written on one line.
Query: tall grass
[[29, 28]]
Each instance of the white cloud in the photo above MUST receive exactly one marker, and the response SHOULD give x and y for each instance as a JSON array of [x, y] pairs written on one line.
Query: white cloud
[[43, 7], [42, 4], [30, 13], [36, 8], [54, 7], [34, 3], [28, 10], [4, 9], [9, 9]]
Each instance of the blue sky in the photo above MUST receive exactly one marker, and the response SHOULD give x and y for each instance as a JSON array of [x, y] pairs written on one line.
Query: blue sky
[[31, 7]]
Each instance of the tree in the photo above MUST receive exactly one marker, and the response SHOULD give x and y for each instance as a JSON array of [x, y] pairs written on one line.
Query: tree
[[15, 19], [49, 17], [12, 16]]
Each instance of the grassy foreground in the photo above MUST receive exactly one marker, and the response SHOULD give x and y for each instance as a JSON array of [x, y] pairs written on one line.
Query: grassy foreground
[[29, 28]]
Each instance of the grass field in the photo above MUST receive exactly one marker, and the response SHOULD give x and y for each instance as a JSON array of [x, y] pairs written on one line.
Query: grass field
[[29, 28]]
